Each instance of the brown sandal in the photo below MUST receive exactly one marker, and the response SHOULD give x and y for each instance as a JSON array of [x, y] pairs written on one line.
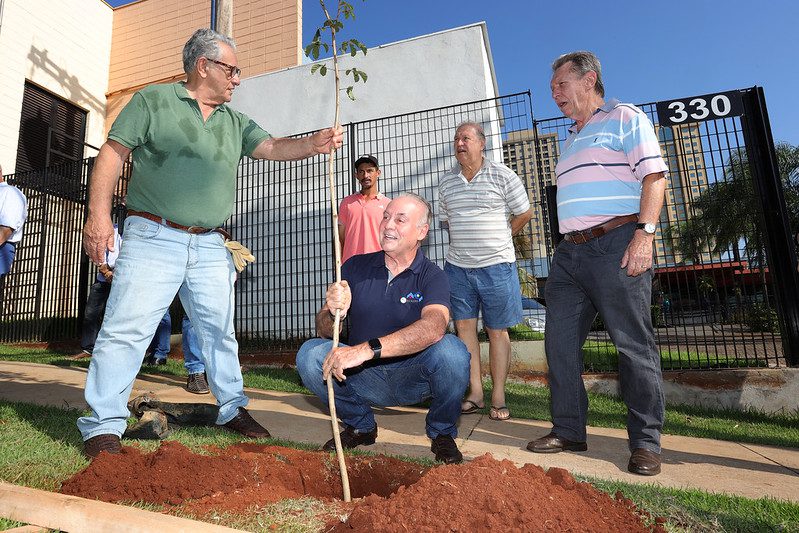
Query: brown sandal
[[495, 414]]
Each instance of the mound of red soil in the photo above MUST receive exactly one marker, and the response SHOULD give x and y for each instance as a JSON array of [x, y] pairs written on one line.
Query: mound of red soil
[[491, 495], [388, 494]]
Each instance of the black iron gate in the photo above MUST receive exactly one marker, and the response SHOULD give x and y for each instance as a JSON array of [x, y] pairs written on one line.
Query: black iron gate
[[725, 289], [716, 299]]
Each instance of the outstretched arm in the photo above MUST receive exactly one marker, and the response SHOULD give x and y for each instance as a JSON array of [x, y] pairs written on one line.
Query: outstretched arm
[[285, 149]]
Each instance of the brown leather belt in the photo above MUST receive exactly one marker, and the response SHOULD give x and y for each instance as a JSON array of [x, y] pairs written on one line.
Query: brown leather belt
[[194, 230], [583, 236]]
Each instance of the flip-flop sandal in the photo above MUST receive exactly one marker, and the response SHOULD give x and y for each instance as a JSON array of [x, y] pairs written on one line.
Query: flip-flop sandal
[[473, 407], [494, 414]]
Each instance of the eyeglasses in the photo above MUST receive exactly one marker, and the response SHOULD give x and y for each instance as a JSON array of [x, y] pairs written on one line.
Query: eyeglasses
[[232, 70]]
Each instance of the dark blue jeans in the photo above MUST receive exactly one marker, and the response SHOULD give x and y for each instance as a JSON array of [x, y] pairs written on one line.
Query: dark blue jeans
[[160, 345], [93, 317], [585, 279], [440, 374]]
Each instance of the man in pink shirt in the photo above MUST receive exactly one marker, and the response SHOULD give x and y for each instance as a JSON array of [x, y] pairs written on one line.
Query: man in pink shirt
[[360, 213]]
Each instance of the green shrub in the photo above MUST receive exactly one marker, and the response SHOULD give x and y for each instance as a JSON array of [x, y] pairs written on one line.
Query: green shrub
[[762, 318]]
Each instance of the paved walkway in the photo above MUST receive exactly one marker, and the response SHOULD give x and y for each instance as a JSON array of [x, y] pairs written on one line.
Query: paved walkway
[[748, 470]]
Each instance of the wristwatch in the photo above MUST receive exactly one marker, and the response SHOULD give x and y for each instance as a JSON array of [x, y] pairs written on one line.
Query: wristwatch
[[376, 347], [648, 227]]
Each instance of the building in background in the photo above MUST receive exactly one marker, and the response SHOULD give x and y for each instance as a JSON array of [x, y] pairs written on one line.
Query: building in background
[[69, 66], [534, 158]]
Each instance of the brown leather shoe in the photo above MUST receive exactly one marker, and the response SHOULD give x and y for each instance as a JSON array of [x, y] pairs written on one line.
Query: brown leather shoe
[[644, 462], [101, 443], [245, 424], [553, 444]]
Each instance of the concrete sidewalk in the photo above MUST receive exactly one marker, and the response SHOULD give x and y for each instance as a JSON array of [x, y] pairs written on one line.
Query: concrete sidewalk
[[748, 470]]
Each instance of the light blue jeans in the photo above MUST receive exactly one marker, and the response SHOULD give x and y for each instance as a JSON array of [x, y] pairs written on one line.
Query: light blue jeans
[[156, 262], [440, 373], [192, 354]]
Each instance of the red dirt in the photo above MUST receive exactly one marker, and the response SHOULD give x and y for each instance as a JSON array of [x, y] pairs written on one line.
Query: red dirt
[[388, 494]]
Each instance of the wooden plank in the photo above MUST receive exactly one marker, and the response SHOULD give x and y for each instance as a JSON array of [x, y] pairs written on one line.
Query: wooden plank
[[27, 529], [73, 514]]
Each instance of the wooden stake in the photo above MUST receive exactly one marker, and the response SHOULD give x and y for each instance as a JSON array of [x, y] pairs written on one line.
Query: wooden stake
[[331, 162]]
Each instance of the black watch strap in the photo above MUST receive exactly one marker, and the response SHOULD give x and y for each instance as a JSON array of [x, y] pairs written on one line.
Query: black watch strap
[[376, 347]]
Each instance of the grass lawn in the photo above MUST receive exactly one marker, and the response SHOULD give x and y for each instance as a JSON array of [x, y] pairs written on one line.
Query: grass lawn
[[523, 400], [40, 448], [603, 355]]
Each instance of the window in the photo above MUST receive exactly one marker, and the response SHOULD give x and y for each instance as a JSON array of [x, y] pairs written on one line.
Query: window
[[51, 135]]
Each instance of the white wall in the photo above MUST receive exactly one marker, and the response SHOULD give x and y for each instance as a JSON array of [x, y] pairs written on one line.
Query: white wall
[[432, 71], [436, 70], [63, 46]]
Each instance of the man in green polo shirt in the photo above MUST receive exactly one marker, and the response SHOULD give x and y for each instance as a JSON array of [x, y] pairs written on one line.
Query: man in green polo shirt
[[186, 144]]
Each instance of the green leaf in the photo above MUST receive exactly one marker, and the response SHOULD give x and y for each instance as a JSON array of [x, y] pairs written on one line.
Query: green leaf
[[323, 70], [316, 67], [349, 93], [355, 74]]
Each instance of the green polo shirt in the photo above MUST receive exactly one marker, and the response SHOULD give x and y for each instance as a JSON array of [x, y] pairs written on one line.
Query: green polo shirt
[[184, 169]]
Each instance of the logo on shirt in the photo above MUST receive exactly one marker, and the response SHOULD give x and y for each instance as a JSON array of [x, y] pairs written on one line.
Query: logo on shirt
[[412, 297]]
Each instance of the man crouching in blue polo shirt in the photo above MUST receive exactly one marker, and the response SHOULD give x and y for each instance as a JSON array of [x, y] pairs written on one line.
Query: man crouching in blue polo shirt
[[399, 353]]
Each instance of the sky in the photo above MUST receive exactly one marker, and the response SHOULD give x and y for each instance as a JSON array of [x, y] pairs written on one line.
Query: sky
[[650, 50]]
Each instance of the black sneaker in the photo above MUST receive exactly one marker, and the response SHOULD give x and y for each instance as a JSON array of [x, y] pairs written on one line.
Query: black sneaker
[[351, 437], [446, 450], [197, 384]]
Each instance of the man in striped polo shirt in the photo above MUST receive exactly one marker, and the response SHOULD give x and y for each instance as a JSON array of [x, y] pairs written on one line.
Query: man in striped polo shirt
[[484, 204], [611, 184]]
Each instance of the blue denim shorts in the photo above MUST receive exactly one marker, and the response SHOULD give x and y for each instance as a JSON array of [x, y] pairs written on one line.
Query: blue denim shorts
[[493, 290]]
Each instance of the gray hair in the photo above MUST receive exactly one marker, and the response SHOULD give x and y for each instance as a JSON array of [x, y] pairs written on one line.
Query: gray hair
[[203, 43], [427, 217], [583, 62], [471, 124]]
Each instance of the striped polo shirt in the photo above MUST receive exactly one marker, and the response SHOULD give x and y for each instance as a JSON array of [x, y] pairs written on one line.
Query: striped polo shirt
[[602, 166], [478, 213]]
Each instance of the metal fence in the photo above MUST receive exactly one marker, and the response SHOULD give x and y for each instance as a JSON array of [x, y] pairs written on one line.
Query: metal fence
[[43, 297], [283, 210], [713, 306]]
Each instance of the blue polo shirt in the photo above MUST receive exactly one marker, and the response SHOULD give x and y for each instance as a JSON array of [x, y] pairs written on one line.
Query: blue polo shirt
[[378, 307]]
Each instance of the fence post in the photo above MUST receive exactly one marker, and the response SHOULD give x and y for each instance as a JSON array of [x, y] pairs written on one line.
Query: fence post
[[766, 178]]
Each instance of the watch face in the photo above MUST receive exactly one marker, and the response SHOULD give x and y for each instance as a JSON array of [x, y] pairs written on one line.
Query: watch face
[[649, 228]]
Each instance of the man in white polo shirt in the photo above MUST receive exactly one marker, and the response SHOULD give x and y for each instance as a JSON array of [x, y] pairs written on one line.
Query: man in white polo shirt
[[13, 212], [483, 203]]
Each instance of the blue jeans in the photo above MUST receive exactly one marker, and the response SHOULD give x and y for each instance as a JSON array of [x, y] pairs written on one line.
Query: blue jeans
[[93, 317], [159, 345], [439, 373], [494, 290], [156, 262], [584, 279], [191, 349], [7, 252]]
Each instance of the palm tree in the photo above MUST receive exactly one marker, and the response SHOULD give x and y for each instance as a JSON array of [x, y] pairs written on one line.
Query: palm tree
[[726, 212]]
